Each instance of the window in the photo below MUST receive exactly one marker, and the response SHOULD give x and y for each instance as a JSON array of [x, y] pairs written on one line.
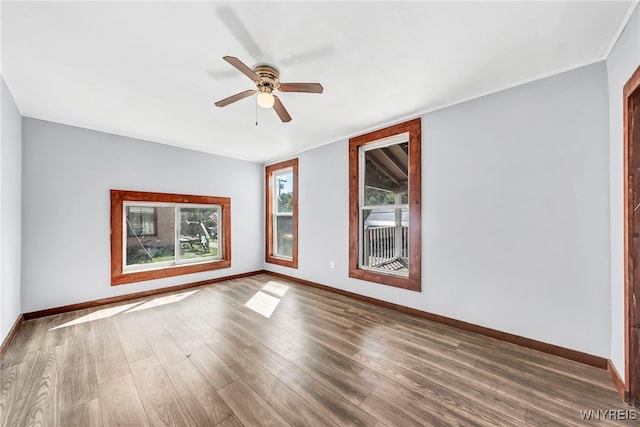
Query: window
[[156, 235], [384, 200], [282, 213]]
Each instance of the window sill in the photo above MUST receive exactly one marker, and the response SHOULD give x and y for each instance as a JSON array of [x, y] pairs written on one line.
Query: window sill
[[292, 263], [174, 270], [409, 283]]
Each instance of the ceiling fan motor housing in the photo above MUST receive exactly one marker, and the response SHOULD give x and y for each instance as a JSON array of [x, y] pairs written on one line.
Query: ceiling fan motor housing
[[270, 78]]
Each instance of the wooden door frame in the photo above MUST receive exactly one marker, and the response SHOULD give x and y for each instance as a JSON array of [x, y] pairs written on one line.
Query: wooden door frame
[[631, 284]]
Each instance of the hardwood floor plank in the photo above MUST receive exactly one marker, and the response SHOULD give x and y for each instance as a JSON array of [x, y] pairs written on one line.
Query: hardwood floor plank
[[221, 346], [11, 383], [293, 408], [538, 418], [86, 414], [212, 367], [77, 378], [347, 386], [250, 409], [199, 396], [540, 379], [160, 401], [473, 407], [27, 340], [41, 402], [133, 341], [340, 410], [162, 343], [303, 346], [109, 357], [232, 421], [394, 415], [416, 374], [423, 350], [542, 369], [549, 404], [542, 388], [120, 404]]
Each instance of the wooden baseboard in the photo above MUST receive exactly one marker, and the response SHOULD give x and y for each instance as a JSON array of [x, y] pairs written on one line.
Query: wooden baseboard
[[11, 335], [577, 356], [126, 297], [617, 381]]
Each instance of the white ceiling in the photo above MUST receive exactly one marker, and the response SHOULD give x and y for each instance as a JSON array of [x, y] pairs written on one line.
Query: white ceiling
[[153, 70]]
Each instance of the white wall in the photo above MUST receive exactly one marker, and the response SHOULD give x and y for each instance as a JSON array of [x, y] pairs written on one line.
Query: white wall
[[67, 175], [515, 213], [10, 212], [621, 63]]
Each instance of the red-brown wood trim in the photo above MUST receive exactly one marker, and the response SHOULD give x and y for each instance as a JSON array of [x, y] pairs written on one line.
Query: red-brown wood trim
[[269, 256], [575, 355], [127, 297], [413, 281], [631, 315], [617, 380], [118, 197], [11, 335]]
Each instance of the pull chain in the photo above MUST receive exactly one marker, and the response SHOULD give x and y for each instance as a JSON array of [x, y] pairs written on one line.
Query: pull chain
[[256, 113]]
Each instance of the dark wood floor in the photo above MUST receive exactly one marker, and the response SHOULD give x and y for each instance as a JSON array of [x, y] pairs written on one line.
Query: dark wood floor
[[202, 358]]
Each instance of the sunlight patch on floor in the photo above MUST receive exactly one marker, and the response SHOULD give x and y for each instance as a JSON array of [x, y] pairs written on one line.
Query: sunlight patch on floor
[[169, 299], [275, 288], [97, 315], [263, 304], [127, 308]]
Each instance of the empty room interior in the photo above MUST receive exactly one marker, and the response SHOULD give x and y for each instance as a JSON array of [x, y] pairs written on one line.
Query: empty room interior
[[320, 213]]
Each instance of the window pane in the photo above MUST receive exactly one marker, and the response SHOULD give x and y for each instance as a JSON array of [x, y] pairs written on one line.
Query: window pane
[[142, 220], [284, 236], [150, 234], [376, 197], [283, 183], [386, 174], [385, 240], [198, 235]]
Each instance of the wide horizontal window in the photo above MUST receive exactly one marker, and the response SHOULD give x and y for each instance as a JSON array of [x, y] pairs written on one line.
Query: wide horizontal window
[[184, 234], [157, 235]]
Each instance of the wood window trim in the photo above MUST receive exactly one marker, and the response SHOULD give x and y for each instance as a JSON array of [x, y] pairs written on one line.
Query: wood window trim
[[631, 392], [118, 197], [413, 281], [269, 255]]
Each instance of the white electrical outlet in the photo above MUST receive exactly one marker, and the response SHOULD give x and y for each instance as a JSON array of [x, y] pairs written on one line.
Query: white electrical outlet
[[332, 264]]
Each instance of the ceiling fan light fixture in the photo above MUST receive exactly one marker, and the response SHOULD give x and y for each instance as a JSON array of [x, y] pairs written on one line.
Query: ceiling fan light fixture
[[265, 100]]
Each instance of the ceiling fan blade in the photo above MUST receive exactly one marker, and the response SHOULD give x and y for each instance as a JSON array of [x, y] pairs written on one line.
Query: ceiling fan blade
[[242, 68], [233, 22], [280, 110], [234, 98], [301, 87]]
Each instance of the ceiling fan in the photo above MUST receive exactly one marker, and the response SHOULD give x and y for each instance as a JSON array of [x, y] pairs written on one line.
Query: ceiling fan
[[267, 79]]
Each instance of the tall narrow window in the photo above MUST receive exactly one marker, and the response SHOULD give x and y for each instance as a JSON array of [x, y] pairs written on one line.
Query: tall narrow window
[[156, 235], [384, 193], [282, 213]]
